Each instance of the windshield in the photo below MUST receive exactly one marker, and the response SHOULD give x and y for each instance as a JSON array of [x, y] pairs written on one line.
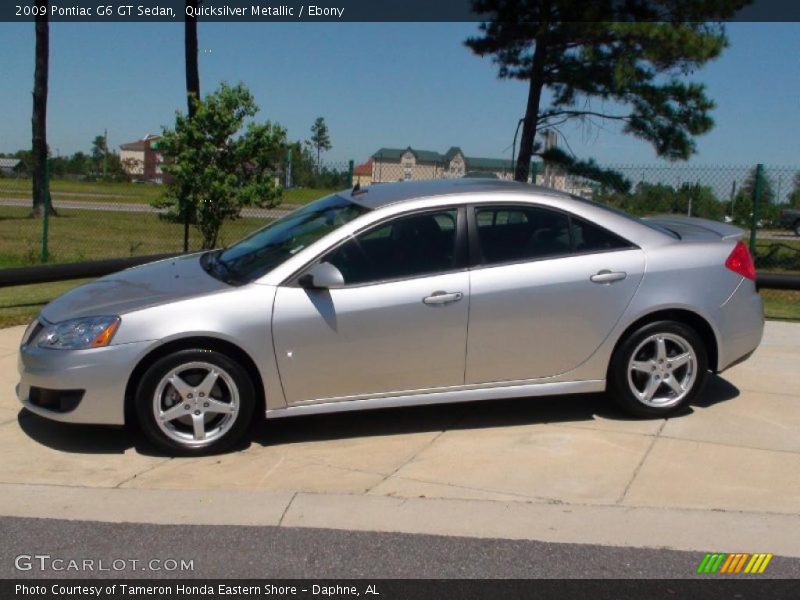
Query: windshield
[[265, 249]]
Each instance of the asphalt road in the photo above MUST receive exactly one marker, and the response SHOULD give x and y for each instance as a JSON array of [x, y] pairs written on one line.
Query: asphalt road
[[288, 553], [131, 207]]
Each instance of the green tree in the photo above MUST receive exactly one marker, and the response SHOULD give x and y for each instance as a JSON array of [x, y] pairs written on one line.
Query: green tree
[[631, 58], [220, 164], [743, 201], [701, 199], [78, 164], [99, 153], [794, 195], [320, 138]]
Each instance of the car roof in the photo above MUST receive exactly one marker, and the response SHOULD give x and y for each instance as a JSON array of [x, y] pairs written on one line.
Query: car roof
[[383, 194]]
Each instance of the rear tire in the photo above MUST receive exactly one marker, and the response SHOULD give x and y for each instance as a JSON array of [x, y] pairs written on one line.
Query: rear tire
[[195, 402], [658, 369]]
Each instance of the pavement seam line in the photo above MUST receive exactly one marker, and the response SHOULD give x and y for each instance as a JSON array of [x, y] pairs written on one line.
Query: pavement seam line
[[582, 428], [286, 509], [726, 445], [142, 472], [458, 418], [641, 463], [524, 498]]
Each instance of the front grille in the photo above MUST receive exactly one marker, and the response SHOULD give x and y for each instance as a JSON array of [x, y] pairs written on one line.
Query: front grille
[[62, 401]]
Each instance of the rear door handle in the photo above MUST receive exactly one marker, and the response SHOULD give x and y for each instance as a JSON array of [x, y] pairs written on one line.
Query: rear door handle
[[443, 298], [606, 276]]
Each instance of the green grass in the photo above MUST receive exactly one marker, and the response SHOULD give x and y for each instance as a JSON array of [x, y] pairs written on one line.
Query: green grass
[[20, 304], [781, 304], [136, 193], [77, 235], [304, 195], [780, 256]]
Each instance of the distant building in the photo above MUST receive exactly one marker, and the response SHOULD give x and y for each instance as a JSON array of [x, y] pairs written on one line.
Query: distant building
[[11, 167], [397, 164], [362, 174], [141, 160]]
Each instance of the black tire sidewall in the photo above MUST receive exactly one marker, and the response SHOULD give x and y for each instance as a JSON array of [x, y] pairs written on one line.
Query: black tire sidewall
[[618, 370], [147, 387]]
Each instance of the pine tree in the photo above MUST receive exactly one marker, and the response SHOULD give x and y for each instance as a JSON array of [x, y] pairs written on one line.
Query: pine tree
[[610, 62]]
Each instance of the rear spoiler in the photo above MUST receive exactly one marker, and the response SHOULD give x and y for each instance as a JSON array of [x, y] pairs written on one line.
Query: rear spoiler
[[692, 225]]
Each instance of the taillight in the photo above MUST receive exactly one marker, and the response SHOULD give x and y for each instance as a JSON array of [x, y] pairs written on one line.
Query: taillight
[[741, 262]]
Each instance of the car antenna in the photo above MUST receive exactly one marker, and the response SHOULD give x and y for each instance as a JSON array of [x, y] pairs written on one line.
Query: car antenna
[[357, 189]]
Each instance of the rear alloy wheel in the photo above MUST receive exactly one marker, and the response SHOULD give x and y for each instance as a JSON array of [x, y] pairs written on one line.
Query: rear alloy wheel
[[195, 402], [659, 369]]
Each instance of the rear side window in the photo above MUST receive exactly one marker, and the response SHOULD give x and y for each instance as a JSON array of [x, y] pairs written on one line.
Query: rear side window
[[588, 237], [409, 246], [513, 234]]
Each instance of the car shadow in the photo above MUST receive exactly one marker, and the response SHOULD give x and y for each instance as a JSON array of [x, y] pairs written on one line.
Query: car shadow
[[577, 408], [83, 439]]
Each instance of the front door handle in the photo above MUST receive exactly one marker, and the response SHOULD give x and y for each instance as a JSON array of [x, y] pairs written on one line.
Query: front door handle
[[443, 298], [606, 276]]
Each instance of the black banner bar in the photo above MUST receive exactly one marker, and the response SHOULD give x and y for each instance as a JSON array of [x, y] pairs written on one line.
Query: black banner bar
[[318, 11], [465, 589]]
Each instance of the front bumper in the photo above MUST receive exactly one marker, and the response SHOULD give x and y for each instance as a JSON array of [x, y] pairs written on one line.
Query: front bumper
[[102, 373]]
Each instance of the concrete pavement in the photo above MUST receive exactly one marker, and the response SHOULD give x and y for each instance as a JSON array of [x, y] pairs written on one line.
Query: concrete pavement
[[724, 477]]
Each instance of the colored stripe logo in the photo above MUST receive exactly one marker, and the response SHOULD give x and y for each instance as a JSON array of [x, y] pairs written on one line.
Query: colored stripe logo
[[741, 562]]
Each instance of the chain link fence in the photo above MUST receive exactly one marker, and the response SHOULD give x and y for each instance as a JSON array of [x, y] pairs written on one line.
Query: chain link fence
[[95, 220], [750, 197], [98, 220]]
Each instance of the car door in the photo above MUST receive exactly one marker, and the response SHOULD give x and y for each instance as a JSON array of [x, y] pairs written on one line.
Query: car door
[[399, 323], [547, 290]]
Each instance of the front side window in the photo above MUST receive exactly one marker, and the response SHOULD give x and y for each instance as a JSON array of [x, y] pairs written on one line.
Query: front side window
[[262, 251], [519, 233], [405, 247]]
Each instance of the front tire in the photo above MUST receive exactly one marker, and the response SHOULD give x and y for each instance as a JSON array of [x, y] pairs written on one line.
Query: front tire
[[195, 402], [658, 369]]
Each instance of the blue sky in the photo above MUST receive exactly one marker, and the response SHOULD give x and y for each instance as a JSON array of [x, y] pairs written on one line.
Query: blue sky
[[383, 84]]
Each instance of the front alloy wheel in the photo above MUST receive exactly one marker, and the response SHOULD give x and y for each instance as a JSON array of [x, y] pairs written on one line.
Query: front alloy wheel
[[195, 402], [658, 369]]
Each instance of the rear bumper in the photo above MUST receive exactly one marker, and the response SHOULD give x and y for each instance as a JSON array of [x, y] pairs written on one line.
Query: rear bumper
[[101, 374], [741, 325]]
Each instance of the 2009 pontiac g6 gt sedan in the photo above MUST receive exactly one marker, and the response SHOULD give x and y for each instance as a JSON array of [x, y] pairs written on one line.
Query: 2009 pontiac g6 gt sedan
[[396, 295]]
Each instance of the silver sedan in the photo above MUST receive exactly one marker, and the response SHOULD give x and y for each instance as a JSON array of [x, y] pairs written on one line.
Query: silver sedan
[[397, 295]]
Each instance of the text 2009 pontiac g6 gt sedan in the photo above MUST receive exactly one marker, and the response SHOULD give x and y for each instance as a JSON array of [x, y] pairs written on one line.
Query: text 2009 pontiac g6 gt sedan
[[395, 295]]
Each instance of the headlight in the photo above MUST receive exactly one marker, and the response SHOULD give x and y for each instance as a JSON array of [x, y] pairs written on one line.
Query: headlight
[[78, 334]]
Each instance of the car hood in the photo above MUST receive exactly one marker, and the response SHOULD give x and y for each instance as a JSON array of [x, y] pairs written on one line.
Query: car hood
[[134, 289]]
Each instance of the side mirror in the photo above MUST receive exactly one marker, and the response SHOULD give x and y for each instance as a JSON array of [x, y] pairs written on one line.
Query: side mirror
[[322, 276]]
